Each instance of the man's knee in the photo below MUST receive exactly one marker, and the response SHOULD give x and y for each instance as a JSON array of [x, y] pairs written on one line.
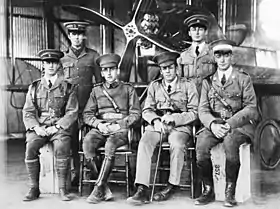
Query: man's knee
[[62, 148], [32, 151]]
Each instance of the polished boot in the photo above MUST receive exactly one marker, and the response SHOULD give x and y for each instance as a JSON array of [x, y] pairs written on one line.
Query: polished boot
[[62, 168], [94, 167], [140, 197], [166, 193], [230, 195], [99, 191], [232, 170], [205, 173], [108, 195], [97, 195], [33, 170]]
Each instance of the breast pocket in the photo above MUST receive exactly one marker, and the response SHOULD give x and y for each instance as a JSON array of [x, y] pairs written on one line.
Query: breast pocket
[[234, 100], [67, 69], [207, 68], [41, 99], [188, 67], [161, 103], [58, 100]]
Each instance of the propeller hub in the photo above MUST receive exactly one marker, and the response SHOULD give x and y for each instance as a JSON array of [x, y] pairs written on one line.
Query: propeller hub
[[130, 31]]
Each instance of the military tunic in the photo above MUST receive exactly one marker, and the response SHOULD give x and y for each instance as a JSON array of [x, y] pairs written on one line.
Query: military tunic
[[56, 105], [183, 107], [194, 67], [100, 109], [239, 93], [82, 71]]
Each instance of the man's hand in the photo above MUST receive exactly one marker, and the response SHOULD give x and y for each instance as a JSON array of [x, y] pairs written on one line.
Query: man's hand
[[51, 130], [159, 126], [220, 130], [40, 131], [114, 127], [103, 128], [168, 119]]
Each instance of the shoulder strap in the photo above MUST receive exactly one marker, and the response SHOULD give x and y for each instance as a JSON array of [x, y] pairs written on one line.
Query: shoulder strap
[[217, 95], [117, 109], [33, 94]]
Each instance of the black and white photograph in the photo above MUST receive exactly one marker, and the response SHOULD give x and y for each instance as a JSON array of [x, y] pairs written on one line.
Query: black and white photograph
[[139, 103]]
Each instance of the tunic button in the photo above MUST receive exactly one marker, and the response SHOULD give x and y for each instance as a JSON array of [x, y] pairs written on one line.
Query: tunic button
[[77, 68]]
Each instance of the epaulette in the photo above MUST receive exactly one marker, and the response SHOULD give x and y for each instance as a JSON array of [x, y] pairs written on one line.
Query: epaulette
[[243, 72], [34, 83], [128, 83], [157, 80], [97, 84]]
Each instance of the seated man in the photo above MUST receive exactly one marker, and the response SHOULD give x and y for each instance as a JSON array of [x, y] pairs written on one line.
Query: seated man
[[227, 109], [113, 107], [170, 107], [50, 109]]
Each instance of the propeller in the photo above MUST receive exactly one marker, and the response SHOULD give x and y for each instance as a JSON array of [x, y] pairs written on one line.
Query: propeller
[[169, 33]]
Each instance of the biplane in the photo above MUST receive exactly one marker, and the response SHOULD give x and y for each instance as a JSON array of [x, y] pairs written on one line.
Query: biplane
[[139, 29]]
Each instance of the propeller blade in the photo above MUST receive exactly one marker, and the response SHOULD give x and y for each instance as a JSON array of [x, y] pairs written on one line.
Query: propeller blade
[[127, 60], [91, 15]]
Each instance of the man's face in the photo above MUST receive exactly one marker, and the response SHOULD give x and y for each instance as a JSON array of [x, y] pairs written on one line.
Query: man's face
[[76, 38], [197, 33], [51, 67], [169, 72], [223, 59], [110, 74]]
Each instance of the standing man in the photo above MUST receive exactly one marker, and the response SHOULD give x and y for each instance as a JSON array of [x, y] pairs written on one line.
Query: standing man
[[227, 109], [50, 109], [196, 62], [80, 67], [113, 107], [170, 107]]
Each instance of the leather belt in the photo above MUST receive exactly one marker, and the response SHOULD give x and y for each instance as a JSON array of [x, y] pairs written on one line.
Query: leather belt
[[111, 115]]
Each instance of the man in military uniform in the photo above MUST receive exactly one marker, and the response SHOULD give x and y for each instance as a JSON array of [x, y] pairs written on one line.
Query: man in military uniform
[[227, 109], [113, 107], [196, 62], [79, 66], [170, 108], [50, 109]]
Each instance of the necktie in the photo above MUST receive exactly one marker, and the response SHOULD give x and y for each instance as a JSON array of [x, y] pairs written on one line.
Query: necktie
[[50, 84], [223, 81], [197, 50], [168, 89]]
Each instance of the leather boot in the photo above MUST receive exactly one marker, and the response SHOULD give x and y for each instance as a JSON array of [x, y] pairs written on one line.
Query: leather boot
[[98, 193], [232, 170], [62, 169], [166, 193], [33, 170], [205, 172], [92, 165], [140, 197], [230, 195], [108, 195]]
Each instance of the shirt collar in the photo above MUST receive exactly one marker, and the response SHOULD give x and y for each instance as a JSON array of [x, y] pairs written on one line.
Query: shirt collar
[[172, 84], [227, 73], [201, 45], [112, 85], [52, 79]]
